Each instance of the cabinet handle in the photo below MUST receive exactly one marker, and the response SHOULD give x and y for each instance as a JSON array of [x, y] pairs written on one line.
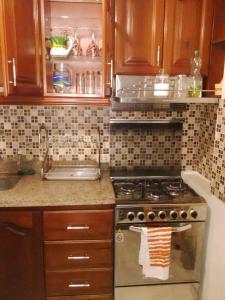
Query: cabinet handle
[[78, 285], [78, 227], [158, 56], [71, 257], [111, 73], [17, 229], [13, 62]]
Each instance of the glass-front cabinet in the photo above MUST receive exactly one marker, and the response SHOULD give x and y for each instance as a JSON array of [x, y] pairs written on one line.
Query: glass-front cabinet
[[75, 63]]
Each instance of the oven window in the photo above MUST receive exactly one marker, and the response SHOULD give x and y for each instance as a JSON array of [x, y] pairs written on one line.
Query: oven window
[[186, 256]]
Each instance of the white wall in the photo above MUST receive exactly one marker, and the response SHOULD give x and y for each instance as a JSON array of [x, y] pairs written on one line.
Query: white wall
[[214, 269]]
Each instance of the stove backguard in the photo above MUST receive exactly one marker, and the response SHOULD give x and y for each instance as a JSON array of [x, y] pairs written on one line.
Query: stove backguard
[[143, 144]]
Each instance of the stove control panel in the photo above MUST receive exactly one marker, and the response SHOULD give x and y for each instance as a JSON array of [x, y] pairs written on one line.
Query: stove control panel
[[126, 214]]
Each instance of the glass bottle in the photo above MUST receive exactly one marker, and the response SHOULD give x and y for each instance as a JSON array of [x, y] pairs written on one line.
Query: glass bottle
[[161, 85], [98, 83], [195, 84], [90, 82], [80, 83], [61, 78]]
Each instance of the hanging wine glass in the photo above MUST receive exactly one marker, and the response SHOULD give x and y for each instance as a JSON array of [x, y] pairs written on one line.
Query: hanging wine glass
[[92, 49], [77, 50]]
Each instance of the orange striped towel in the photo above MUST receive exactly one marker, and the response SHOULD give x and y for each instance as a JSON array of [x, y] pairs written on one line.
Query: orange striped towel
[[155, 252]]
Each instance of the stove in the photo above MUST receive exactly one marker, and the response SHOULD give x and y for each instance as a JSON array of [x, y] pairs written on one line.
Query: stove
[[156, 199]]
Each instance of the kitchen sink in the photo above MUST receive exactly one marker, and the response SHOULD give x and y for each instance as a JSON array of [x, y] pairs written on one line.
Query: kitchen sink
[[7, 182]]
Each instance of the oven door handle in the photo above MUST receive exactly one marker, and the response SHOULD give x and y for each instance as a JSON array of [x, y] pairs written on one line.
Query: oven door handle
[[174, 228]]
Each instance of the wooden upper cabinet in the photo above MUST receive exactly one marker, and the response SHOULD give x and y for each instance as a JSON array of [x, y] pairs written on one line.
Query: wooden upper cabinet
[[21, 46], [151, 34], [219, 21], [188, 25], [138, 36]]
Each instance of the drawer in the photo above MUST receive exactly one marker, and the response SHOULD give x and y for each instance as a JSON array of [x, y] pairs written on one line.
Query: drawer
[[93, 297], [67, 255], [78, 225], [79, 282]]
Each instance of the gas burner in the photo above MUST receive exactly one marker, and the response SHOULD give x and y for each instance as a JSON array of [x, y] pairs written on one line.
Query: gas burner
[[152, 184], [174, 188], [128, 188], [153, 195]]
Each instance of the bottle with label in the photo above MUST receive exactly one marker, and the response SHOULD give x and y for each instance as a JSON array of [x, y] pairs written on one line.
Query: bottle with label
[[195, 85], [161, 85]]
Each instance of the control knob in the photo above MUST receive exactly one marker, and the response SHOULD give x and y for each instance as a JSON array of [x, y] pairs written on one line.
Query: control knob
[[162, 214], [183, 214], [193, 213], [141, 215], [130, 216], [173, 214], [151, 215]]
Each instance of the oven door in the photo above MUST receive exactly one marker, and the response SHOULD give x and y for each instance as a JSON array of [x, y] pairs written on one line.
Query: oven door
[[186, 255]]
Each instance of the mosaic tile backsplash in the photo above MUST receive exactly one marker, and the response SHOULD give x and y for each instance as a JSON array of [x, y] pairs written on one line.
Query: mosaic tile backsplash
[[218, 166], [73, 135]]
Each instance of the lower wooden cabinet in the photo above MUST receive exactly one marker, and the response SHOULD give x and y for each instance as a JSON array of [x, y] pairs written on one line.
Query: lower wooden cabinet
[[71, 255], [78, 254], [21, 256], [56, 255], [79, 282]]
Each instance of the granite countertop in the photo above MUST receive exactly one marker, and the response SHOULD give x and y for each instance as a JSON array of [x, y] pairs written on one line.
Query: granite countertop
[[31, 191]]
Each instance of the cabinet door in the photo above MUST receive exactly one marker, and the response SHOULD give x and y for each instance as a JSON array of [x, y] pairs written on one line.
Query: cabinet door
[[217, 54], [188, 27], [138, 36], [21, 46], [21, 263], [1, 70]]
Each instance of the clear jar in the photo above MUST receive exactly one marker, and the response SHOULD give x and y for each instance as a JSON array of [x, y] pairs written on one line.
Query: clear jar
[[98, 83], [90, 82], [148, 87], [161, 85], [61, 79], [80, 83], [181, 84]]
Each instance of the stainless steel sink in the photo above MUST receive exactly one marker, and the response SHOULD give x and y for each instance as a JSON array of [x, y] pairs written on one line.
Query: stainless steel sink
[[7, 182]]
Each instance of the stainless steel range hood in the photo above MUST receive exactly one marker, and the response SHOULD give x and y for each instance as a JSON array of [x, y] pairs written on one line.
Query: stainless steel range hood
[[136, 93]]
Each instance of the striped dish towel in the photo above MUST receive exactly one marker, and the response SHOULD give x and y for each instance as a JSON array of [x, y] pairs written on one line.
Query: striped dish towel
[[155, 251]]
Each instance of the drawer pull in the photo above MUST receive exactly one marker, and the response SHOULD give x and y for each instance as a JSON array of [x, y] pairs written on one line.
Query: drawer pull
[[71, 257], [78, 285], [78, 227]]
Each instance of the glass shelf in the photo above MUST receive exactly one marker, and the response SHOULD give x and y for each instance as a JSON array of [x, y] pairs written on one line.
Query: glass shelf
[[76, 59]]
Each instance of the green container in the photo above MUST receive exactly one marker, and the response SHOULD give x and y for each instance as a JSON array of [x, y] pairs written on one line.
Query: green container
[[58, 41]]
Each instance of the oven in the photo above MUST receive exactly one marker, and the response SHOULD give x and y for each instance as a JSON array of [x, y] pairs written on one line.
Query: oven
[[186, 217], [185, 266]]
